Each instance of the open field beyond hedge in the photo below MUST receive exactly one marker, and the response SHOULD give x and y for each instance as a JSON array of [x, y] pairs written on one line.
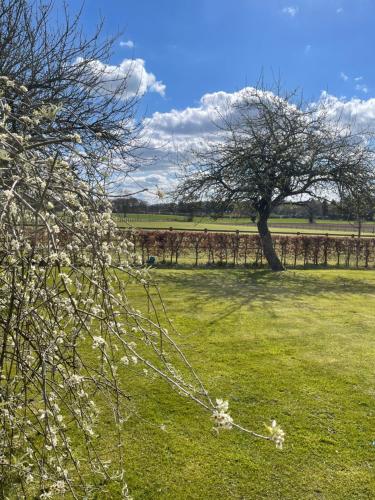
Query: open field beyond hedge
[[280, 226], [297, 346]]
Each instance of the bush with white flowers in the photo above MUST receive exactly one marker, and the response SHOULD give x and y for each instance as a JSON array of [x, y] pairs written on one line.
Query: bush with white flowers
[[68, 329]]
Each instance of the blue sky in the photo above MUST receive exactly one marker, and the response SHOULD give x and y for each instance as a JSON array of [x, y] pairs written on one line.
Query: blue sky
[[200, 46], [188, 54]]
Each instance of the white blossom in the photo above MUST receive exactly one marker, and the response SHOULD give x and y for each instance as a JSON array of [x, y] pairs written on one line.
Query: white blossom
[[98, 342], [277, 434], [221, 417]]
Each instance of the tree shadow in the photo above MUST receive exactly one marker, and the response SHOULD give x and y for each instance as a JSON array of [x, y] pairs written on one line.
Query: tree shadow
[[245, 286]]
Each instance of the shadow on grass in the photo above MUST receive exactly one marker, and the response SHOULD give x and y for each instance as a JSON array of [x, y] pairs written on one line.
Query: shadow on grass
[[246, 285]]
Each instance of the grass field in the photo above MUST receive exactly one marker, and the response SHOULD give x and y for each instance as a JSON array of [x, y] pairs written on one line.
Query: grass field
[[217, 226], [277, 225], [297, 346], [228, 220]]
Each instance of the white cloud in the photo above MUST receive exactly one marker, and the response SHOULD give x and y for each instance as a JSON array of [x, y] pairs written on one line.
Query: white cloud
[[158, 87], [129, 44], [290, 10], [344, 77], [179, 130], [172, 135], [355, 110], [362, 87], [132, 71]]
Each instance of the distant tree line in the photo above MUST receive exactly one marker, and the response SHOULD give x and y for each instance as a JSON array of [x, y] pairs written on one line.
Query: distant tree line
[[311, 209], [131, 204]]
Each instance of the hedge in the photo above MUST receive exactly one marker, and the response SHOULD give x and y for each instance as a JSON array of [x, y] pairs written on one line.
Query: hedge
[[212, 248]]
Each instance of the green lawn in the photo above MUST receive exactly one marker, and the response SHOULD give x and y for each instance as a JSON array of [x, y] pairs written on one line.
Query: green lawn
[[298, 346]]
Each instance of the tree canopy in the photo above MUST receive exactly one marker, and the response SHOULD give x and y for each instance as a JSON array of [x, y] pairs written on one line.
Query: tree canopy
[[273, 148]]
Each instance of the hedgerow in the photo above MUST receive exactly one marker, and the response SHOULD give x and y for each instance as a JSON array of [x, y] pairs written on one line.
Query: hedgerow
[[203, 247]]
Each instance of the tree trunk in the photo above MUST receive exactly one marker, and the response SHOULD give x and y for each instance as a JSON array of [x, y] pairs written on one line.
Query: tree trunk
[[311, 215], [267, 244]]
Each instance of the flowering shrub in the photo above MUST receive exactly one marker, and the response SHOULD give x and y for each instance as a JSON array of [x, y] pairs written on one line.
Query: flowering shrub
[[68, 329]]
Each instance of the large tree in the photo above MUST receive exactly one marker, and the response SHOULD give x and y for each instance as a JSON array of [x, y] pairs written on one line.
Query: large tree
[[272, 148]]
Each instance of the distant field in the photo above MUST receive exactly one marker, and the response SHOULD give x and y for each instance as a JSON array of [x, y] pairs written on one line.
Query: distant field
[[289, 227], [230, 220]]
